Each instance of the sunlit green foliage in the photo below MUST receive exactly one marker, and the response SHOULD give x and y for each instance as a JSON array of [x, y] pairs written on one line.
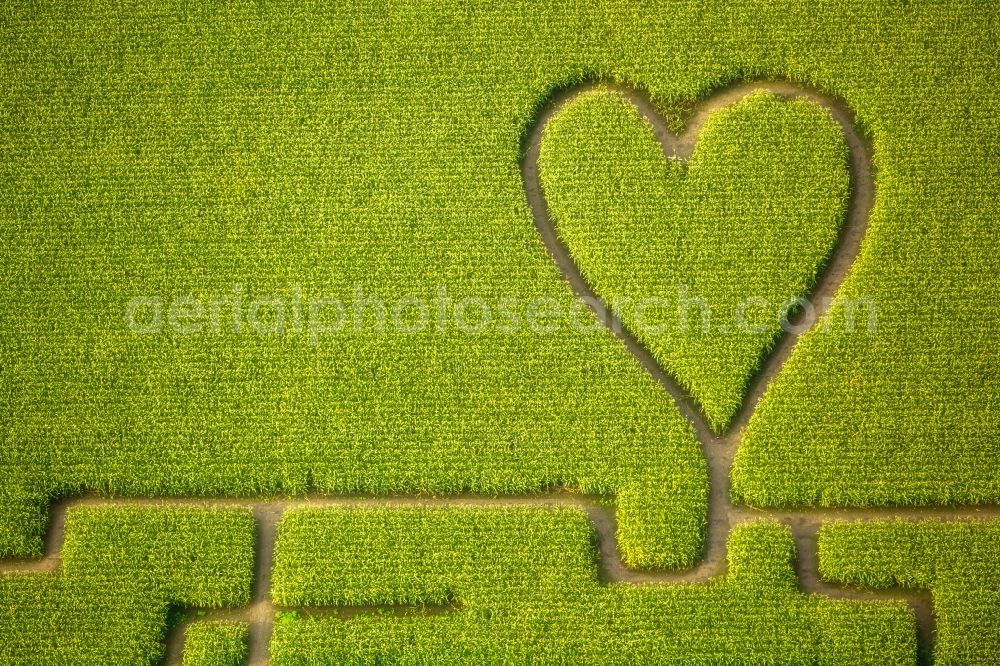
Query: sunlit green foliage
[[215, 644], [121, 570], [156, 149], [959, 562], [169, 149], [527, 591], [700, 258]]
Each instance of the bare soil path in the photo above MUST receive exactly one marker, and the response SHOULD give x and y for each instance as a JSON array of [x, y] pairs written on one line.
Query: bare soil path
[[719, 449], [267, 513]]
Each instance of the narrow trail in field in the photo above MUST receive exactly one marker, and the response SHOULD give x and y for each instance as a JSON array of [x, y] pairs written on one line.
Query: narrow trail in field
[[259, 615], [719, 450]]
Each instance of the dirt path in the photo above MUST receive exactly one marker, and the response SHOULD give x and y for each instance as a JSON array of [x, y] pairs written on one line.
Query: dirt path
[[718, 449], [267, 512], [681, 146]]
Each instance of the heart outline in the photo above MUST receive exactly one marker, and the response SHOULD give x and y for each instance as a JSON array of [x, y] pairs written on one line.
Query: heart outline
[[830, 276]]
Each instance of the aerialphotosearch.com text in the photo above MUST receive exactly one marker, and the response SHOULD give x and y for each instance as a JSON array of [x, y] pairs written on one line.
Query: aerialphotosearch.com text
[[317, 317]]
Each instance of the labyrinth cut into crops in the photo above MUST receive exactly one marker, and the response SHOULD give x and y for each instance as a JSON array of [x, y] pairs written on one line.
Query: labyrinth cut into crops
[[472, 332]]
